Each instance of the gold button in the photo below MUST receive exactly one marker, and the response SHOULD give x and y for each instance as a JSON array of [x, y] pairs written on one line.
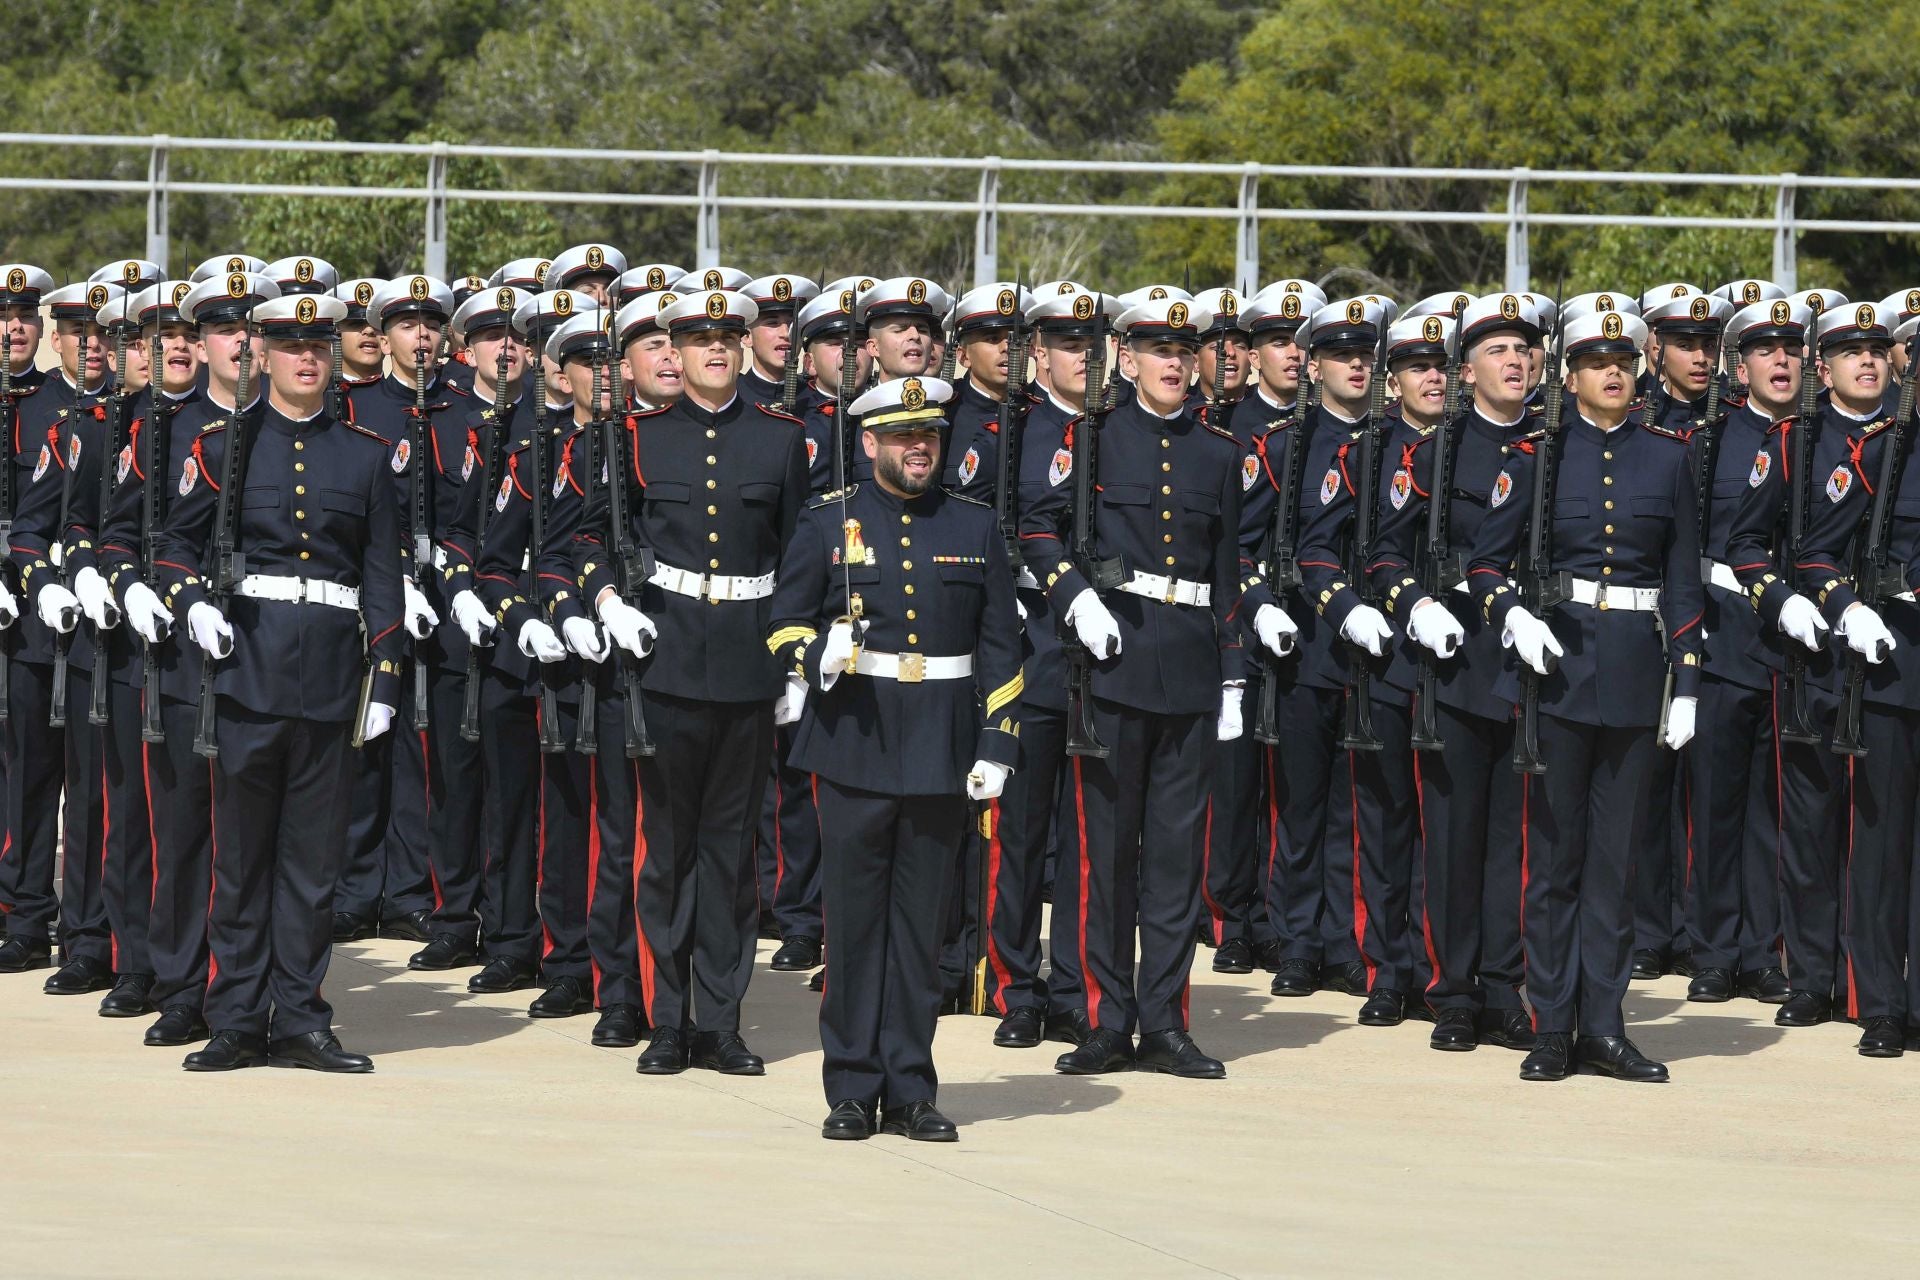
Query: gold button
[[1606, 479], [710, 433], [909, 588], [911, 615], [712, 461], [713, 564], [713, 537], [305, 534], [306, 555], [1166, 466], [906, 542], [1166, 515], [1166, 488], [1609, 550], [905, 518], [299, 515], [1609, 528], [1609, 504], [1607, 571], [912, 638], [299, 466], [713, 484], [906, 564], [1607, 454], [1165, 443], [300, 488], [1166, 537], [299, 444], [1169, 561], [713, 511]]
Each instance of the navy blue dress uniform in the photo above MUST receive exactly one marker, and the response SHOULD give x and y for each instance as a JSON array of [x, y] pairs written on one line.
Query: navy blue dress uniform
[[1850, 468], [715, 492], [1469, 795], [779, 298], [1626, 531], [389, 881], [893, 715], [56, 426], [1168, 507], [315, 646]]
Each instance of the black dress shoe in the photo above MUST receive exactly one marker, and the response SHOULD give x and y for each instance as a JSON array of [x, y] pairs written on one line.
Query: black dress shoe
[[818, 982], [178, 1024], [1803, 1009], [350, 926], [1620, 1058], [1070, 1027], [849, 1121], [1454, 1032], [445, 952], [1551, 1059], [414, 926], [1768, 985], [1683, 964], [229, 1051], [796, 955], [618, 1027], [1020, 1029], [1647, 965], [317, 1051], [1384, 1008], [131, 997], [77, 977], [768, 927], [1712, 985], [1100, 1053], [920, 1121], [564, 999], [1349, 979], [17, 955], [1882, 1038], [501, 975], [1266, 955], [725, 1052], [1235, 955], [1507, 1028], [666, 1054], [1295, 978], [1174, 1053]]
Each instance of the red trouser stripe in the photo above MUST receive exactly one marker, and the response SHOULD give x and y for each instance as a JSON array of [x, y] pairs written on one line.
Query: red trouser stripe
[[1359, 893], [999, 965], [1086, 878], [639, 864]]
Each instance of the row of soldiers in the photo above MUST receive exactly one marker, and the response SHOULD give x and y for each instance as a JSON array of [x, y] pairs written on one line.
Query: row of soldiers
[[612, 582]]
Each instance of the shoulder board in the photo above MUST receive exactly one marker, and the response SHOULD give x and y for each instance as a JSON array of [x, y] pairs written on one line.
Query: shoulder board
[[65, 412], [1536, 410], [487, 414], [1668, 432], [18, 394], [1525, 443], [772, 412], [1034, 397], [648, 413], [457, 389], [834, 496], [218, 424], [1876, 427], [1222, 432], [961, 497], [524, 442], [371, 435]]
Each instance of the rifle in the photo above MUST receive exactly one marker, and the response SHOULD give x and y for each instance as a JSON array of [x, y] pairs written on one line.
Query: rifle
[[1012, 426], [9, 425], [1282, 569], [842, 442], [586, 738], [1101, 575], [551, 740], [632, 564], [63, 640], [1443, 565], [489, 477], [1798, 726], [790, 370], [229, 562], [1357, 730], [1541, 589], [419, 523], [115, 428], [153, 463], [1878, 577]]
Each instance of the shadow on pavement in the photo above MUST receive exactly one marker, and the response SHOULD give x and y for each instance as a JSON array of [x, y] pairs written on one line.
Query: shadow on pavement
[[375, 1011], [1020, 1097]]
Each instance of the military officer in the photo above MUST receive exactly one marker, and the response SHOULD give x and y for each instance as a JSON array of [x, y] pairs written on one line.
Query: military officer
[[362, 358], [1223, 369]]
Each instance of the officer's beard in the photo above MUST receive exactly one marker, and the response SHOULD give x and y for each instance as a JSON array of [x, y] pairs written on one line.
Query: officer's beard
[[891, 469]]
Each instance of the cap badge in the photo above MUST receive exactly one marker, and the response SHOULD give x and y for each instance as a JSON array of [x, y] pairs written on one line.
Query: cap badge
[[656, 278], [595, 258], [363, 293], [917, 293], [783, 290], [237, 284], [1817, 302], [712, 280], [563, 303], [1509, 307], [1356, 312], [1177, 315], [1782, 311], [97, 296], [1864, 317], [131, 272], [716, 306], [1083, 307], [417, 288], [1612, 326], [1290, 306], [846, 300], [1006, 302], [304, 310], [1700, 308], [1156, 294], [303, 271], [504, 300], [1066, 287], [236, 264], [1679, 291], [1750, 291], [1430, 330], [913, 396], [1460, 302], [16, 281], [540, 271], [1604, 302], [181, 290]]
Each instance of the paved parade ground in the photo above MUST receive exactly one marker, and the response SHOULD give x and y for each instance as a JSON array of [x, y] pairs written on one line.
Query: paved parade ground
[[488, 1144]]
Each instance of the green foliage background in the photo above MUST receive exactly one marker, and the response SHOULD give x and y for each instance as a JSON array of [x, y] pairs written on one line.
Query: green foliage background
[[1673, 85]]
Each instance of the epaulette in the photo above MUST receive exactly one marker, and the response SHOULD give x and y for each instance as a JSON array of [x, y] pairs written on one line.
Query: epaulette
[[1222, 432], [772, 412], [351, 425], [1525, 443], [834, 496], [218, 424], [1875, 428], [1683, 437], [963, 497], [456, 388], [648, 413]]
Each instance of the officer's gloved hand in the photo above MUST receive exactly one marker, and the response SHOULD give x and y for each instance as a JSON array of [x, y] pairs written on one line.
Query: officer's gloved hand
[[96, 598], [209, 630], [58, 608], [584, 639], [537, 640], [1533, 640], [986, 780], [1020, 609], [149, 618], [1230, 726], [1680, 716], [475, 623], [631, 629], [377, 720], [1801, 620], [836, 654], [9, 608], [792, 700], [1276, 630], [1094, 625], [1367, 627], [1865, 634], [421, 619], [1433, 626]]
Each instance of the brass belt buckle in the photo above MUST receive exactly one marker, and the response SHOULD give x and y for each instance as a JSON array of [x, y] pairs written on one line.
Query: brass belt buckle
[[1173, 589], [913, 668]]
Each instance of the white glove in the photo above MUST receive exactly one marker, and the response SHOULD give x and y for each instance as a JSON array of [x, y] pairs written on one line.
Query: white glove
[[1865, 634], [209, 630], [631, 629], [1800, 619], [1275, 629], [836, 654], [1020, 609], [377, 720], [58, 608], [1680, 715], [787, 707], [584, 639], [1094, 625], [9, 608], [475, 623], [538, 641], [1434, 627], [986, 780], [1532, 639], [96, 598], [421, 619], [1367, 627], [1230, 726], [148, 617]]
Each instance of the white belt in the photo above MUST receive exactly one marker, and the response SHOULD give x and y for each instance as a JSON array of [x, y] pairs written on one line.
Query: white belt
[[1611, 595], [1026, 579], [912, 668], [711, 586], [1158, 586], [267, 586], [1720, 574]]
